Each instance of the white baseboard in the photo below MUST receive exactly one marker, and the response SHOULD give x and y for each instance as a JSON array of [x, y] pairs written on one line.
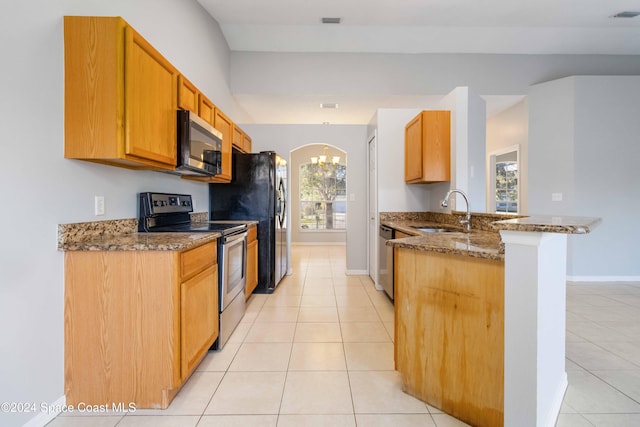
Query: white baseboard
[[318, 243], [45, 417], [357, 272], [603, 278]]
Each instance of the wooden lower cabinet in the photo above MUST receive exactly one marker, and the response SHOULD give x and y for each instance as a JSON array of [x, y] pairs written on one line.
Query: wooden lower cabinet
[[449, 333], [137, 323], [198, 318], [252, 261]]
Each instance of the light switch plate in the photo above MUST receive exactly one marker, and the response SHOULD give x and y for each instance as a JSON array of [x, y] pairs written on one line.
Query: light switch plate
[[556, 197]]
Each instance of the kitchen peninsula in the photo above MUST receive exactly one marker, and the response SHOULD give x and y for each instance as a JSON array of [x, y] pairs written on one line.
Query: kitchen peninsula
[[480, 327]]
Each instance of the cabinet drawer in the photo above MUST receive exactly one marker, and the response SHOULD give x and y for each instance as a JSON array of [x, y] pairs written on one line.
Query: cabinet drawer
[[197, 259], [252, 234]]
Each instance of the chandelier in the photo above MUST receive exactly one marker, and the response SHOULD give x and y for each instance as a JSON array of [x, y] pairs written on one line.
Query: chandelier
[[323, 158]]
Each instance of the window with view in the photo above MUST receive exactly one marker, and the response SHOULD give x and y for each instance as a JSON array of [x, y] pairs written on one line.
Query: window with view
[[323, 201], [506, 186]]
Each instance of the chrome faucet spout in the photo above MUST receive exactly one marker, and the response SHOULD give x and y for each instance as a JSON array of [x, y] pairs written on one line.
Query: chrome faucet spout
[[467, 220]]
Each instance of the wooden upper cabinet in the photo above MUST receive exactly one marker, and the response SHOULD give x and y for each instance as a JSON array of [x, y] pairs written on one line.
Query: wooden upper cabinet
[[120, 96], [225, 126], [247, 143], [206, 109], [427, 148], [188, 95], [238, 138], [241, 140]]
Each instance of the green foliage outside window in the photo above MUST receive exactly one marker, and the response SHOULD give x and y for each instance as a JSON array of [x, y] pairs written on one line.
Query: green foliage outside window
[[323, 201]]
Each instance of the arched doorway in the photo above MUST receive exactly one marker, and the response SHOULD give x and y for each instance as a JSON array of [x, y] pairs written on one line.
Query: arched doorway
[[318, 184]]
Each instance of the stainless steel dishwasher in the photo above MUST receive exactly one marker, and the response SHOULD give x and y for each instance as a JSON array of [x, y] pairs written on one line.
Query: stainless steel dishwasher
[[385, 259]]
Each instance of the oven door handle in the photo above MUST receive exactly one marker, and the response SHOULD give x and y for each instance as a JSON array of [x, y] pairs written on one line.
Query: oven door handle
[[234, 237]]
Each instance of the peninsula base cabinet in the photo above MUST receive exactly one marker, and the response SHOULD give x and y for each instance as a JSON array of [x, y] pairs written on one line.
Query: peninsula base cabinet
[[137, 323], [449, 333]]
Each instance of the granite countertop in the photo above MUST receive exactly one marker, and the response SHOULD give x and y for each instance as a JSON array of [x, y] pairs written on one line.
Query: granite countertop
[[123, 235], [484, 239], [140, 242], [477, 243], [549, 224]]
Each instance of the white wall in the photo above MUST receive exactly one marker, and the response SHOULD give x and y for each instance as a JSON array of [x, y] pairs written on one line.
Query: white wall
[[510, 128], [411, 74], [352, 139], [583, 143], [42, 189], [297, 158], [394, 195]]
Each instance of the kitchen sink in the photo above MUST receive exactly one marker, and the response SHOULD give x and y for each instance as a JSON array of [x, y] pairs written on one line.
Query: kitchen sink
[[435, 229]]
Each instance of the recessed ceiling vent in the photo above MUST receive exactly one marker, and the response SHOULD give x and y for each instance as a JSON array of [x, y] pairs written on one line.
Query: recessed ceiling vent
[[331, 20], [328, 105], [626, 14]]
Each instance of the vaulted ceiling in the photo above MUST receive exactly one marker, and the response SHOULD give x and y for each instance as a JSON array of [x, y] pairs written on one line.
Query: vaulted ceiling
[[420, 26]]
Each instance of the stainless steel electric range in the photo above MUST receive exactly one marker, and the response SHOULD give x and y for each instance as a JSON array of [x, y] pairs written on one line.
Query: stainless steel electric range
[[162, 212]]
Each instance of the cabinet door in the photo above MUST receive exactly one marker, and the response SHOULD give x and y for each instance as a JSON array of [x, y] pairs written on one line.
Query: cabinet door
[[206, 110], [187, 95], [225, 126], [413, 149], [436, 131], [252, 268], [427, 148], [247, 143], [238, 138], [198, 317], [150, 102]]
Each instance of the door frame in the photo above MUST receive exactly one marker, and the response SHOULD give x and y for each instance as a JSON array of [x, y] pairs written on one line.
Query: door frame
[[372, 215]]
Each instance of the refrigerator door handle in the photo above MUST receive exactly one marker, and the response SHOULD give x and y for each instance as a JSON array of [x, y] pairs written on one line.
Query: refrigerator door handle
[[282, 204]]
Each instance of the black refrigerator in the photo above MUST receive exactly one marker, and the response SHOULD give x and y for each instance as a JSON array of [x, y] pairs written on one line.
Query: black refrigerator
[[258, 192]]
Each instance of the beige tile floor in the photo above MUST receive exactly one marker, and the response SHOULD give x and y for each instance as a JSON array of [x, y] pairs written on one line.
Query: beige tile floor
[[319, 352]]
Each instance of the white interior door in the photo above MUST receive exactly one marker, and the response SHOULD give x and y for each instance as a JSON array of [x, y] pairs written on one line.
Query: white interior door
[[373, 211]]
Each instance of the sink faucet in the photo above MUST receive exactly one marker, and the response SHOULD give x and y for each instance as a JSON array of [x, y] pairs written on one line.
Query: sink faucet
[[445, 203]]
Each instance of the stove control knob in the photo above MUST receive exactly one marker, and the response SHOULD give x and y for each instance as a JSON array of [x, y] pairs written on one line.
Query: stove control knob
[[155, 203]]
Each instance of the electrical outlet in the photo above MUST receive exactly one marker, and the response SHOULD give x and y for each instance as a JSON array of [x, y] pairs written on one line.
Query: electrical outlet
[[99, 205], [556, 197]]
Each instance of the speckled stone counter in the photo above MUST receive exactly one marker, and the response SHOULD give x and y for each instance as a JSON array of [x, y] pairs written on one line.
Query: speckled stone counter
[[141, 242], [549, 224], [484, 239], [481, 242], [122, 235]]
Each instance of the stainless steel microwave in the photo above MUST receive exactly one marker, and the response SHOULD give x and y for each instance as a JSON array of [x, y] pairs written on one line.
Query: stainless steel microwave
[[199, 146]]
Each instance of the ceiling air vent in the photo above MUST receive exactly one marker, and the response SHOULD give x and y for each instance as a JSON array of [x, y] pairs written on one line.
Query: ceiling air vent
[[331, 20], [626, 14], [328, 105]]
